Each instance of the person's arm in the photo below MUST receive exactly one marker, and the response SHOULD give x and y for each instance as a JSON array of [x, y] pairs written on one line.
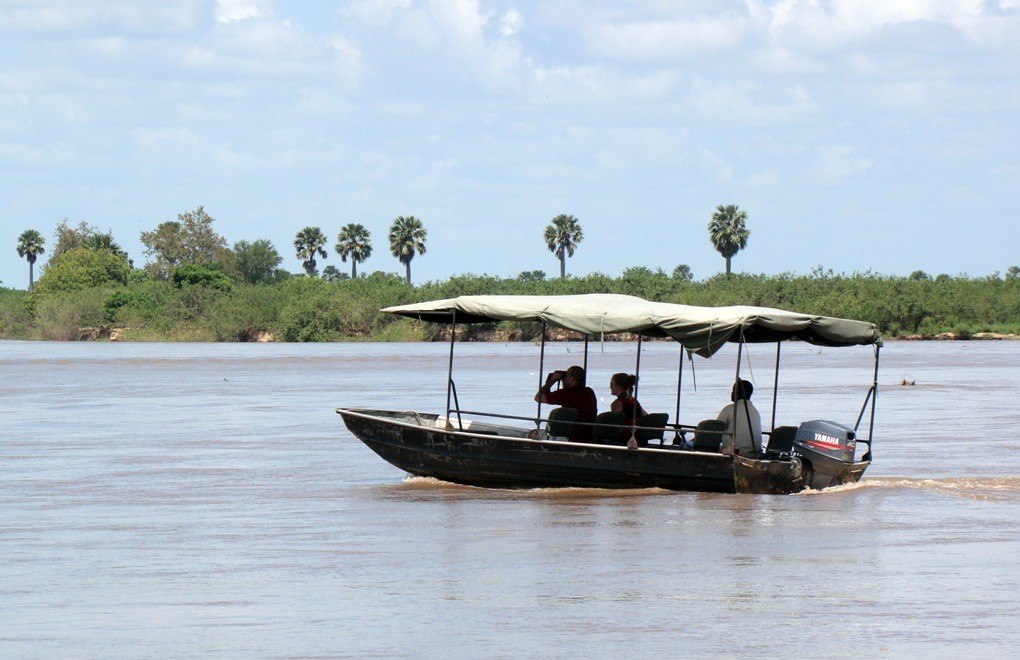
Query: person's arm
[[542, 396]]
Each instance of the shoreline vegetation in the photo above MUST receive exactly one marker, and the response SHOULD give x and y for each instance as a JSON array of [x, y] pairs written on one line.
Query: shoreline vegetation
[[202, 304], [194, 287]]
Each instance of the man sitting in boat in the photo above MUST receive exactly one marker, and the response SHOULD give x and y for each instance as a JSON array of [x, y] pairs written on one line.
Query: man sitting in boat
[[574, 395], [621, 386], [738, 438]]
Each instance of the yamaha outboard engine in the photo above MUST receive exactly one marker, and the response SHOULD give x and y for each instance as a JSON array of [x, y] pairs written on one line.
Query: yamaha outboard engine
[[827, 451]]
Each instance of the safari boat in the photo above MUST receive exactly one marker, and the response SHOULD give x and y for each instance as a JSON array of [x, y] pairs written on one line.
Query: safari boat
[[506, 451]]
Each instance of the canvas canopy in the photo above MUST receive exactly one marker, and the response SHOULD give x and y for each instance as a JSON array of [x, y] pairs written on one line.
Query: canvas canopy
[[702, 330]]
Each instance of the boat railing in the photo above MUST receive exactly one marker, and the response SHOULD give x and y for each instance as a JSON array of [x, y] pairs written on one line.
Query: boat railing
[[864, 407], [680, 428]]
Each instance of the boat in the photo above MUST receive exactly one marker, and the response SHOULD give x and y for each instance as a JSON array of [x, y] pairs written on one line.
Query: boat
[[521, 451]]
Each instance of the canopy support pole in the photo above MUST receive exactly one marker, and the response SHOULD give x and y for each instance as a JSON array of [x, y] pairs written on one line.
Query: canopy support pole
[[541, 380], [874, 397], [586, 355], [632, 443], [775, 385], [747, 409], [449, 372], [679, 389]]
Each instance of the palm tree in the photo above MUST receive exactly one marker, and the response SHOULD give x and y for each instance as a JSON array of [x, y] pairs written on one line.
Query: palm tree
[[562, 236], [30, 246], [308, 243], [102, 241], [728, 232], [354, 241], [407, 237]]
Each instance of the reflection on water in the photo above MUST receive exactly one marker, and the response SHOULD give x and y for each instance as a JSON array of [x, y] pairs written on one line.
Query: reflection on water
[[205, 499]]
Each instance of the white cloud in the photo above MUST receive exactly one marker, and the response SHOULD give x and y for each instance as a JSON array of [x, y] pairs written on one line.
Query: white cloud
[[266, 46], [827, 25], [664, 40], [460, 19], [132, 16], [511, 23], [231, 11], [374, 12]]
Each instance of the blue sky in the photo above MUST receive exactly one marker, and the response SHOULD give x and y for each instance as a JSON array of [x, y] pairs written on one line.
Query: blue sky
[[858, 135]]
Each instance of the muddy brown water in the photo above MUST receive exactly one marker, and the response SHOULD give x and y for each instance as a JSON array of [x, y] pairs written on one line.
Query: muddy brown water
[[205, 499]]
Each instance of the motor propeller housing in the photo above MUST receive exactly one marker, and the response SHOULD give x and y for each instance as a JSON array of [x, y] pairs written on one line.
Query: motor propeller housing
[[828, 438]]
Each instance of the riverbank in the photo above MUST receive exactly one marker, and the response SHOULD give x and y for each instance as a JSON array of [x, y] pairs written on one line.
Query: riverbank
[[513, 336], [303, 309]]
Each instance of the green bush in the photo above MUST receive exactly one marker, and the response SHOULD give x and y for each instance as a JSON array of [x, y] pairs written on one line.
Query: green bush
[[79, 269], [15, 315], [115, 301], [209, 276]]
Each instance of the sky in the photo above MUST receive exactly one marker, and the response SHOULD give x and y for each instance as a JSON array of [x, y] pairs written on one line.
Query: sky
[[856, 134]]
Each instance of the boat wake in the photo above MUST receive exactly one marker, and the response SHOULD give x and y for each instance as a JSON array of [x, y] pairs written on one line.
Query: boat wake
[[975, 488], [411, 482]]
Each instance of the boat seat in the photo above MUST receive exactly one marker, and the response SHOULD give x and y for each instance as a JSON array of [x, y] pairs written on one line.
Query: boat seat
[[609, 435], [781, 440], [708, 435], [561, 422], [658, 423]]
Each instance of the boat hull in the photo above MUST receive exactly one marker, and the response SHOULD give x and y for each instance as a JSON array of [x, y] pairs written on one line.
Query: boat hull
[[423, 445]]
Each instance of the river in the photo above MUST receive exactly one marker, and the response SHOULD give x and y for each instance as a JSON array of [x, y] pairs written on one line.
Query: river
[[205, 499]]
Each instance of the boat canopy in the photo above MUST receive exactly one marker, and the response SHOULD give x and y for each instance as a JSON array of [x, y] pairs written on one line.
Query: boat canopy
[[702, 330]]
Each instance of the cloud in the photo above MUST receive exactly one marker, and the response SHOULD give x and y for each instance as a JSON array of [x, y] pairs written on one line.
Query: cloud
[[374, 12], [231, 11], [833, 24], [666, 40], [254, 44], [511, 23], [50, 17]]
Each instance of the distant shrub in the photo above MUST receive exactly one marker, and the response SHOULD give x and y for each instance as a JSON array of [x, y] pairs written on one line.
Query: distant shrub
[[210, 276], [15, 315], [324, 311], [69, 316], [333, 274], [683, 273], [532, 276], [115, 301], [79, 269]]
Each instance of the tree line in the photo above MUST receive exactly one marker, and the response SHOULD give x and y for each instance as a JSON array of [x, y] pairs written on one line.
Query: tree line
[[194, 286], [190, 240]]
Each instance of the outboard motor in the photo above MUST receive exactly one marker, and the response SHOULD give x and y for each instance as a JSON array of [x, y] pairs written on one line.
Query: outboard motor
[[827, 451], [820, 436]]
